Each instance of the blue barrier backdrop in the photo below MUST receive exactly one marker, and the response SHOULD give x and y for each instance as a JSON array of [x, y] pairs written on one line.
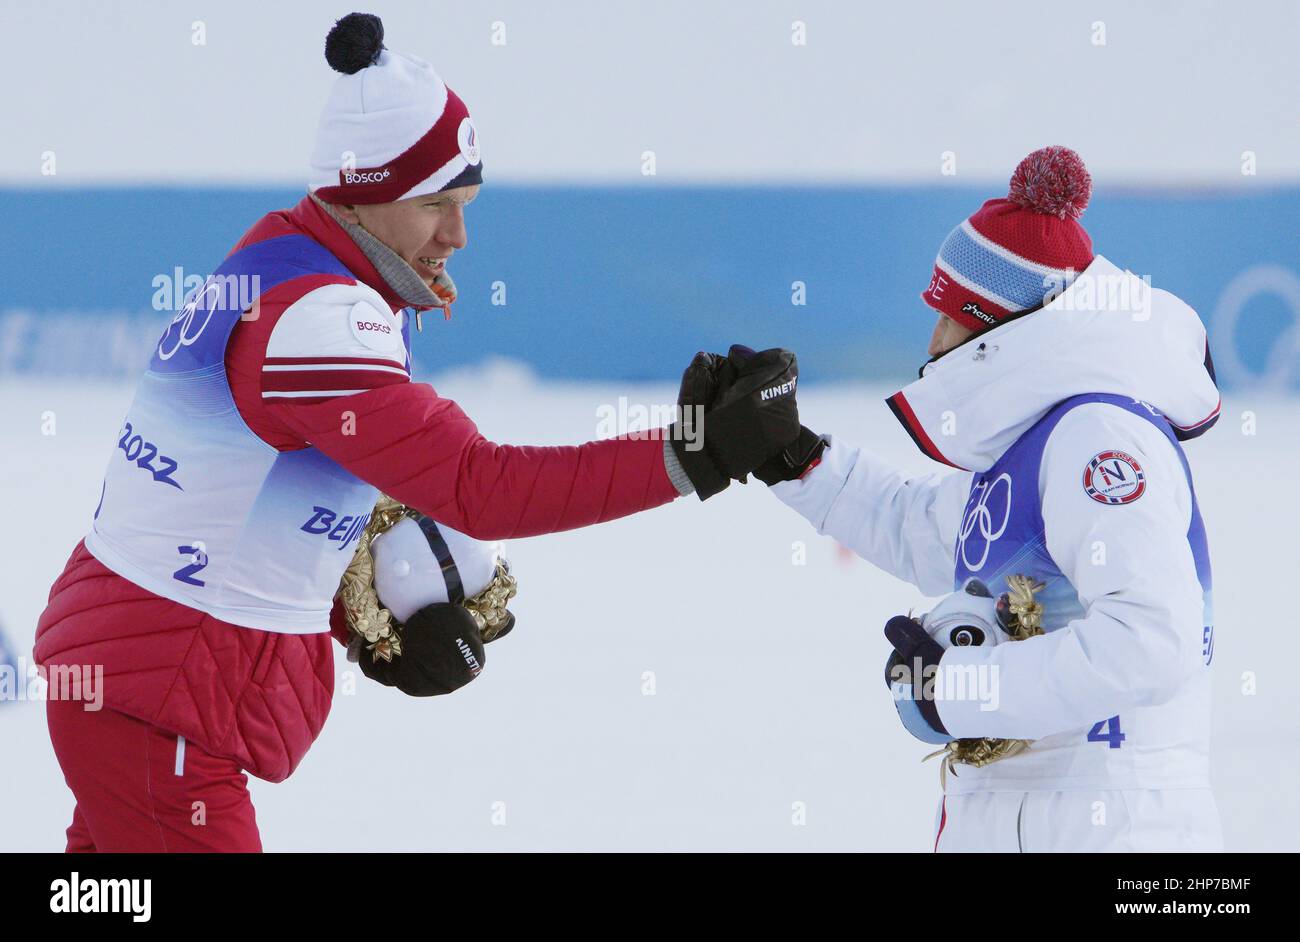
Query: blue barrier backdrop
[[628, 283]]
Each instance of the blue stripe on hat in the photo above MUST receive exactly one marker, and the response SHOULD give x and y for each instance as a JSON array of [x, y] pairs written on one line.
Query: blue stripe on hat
[[1024, 287]]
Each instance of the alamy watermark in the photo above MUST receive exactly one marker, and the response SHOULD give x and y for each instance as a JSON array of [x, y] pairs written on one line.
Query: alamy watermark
[[78, 894], [1122, 292], [977, 682], [177, 291], [76, 682], [640, 420]]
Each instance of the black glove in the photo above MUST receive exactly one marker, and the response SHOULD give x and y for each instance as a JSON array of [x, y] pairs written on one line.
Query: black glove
[[750, 414], [793, 461], [441, 652], [699, 387], [914, 647]]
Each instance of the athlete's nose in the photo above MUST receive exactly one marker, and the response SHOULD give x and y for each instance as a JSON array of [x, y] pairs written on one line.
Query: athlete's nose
[[936, 338], [451, 231]]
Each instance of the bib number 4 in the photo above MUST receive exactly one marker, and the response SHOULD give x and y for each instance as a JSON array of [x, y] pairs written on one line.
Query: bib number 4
[[1107, 731]]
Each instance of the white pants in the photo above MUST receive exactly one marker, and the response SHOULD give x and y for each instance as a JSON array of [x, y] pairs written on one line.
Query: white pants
[[1118, 821]]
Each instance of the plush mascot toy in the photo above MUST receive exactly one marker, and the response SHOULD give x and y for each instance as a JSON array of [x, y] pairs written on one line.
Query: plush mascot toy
[[421, 600], [970, 616]]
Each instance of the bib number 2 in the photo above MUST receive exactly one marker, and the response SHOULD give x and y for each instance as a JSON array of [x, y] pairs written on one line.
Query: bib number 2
[[198, 557]]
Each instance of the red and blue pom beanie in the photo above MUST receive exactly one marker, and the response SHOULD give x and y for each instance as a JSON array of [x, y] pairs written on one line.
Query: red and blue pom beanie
[[1016, 253]]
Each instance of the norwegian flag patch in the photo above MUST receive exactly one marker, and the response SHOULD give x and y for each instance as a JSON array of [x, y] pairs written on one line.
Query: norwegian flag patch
[[1114, 477]]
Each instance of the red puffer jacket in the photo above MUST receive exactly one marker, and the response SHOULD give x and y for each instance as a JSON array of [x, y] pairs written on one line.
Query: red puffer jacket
[[262, 697], [258, 697]]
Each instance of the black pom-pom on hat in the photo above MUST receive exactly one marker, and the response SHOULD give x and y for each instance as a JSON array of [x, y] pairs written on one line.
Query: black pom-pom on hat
[[354, 42]]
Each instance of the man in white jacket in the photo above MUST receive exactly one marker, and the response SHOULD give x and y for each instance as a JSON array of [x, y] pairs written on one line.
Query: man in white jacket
[[1061, 386]]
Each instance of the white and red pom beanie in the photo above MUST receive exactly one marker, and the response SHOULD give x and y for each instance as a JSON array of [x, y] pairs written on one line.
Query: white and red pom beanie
[[1016, 253], [391, 128]]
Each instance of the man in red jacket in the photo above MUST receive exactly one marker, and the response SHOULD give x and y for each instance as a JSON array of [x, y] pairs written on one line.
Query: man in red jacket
[[276, 406]]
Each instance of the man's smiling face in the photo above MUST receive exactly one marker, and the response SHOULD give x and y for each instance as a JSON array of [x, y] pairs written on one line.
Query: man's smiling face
[[423, 230]]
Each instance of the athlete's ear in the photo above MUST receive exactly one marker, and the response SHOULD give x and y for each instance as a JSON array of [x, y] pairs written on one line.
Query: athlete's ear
[[348, 213]]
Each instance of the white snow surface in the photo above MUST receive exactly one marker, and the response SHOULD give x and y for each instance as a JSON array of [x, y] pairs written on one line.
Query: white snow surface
[[767, 690]]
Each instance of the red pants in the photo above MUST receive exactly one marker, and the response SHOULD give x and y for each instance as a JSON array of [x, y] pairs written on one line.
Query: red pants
[[142, 789]]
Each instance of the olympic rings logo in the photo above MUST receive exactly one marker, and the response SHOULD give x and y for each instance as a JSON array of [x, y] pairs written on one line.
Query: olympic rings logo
[[980, 518], [1281, 367], [185, 317]]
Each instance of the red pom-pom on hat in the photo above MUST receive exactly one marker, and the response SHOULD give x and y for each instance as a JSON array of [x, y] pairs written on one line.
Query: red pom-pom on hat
[[1052, 181]]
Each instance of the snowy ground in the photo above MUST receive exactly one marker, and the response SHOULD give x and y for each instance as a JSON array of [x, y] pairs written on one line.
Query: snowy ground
[[766, 673]]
